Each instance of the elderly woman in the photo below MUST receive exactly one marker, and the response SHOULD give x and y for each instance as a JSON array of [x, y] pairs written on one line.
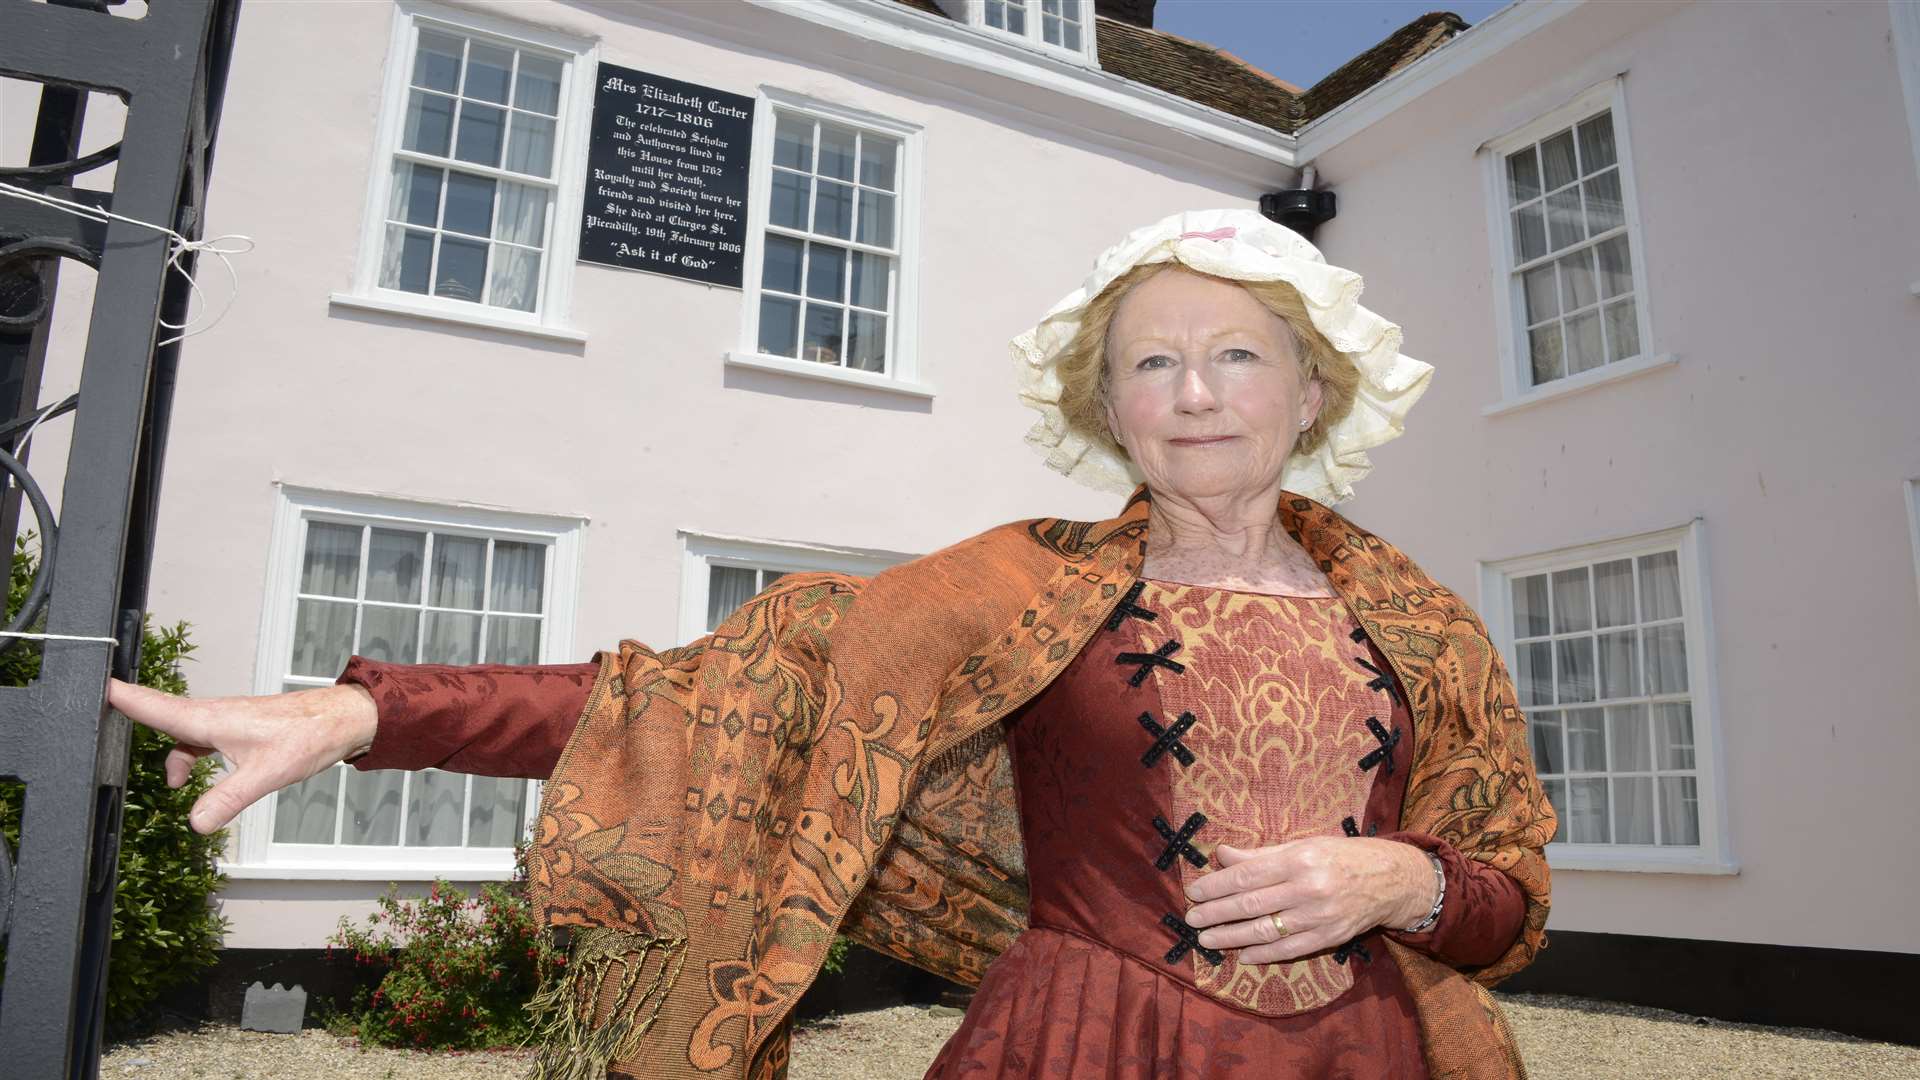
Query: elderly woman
[[1223, 786]]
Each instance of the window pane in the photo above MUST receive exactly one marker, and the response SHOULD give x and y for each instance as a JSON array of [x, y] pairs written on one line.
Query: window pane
[[530, 150], [1557, 797], [322, 637], [394, 561], [1545, 359], [1529, 232], [877, 159], [429, 123], [470, 204], [1587, 812], [436, 63], [1572, 608], [1673, 735], [408, 261], [1666, 659], [867, 342], [788, 208], [1623, 330], [1586, 740], [1523, 176], [1679, 810], [779, 326], [1660, 586], [1016, 18], [457, 565], [1605, 209], [821, 342], [513, 640], [1573, 669], [523, 215], [836, 152], [833, 209], [1620, 664], [997, 14], [373, 808], [1547, 755], [304, 813], [1556, 157], [436, 801], [1596, 143], [1564, 225], [876, 219], [389, 634], [416, 194], [1613, 592], [793, 143], [780, 264], [1633, 810], [519, 575], [871, 276], [1584, 351], [1534, 678], [463, 269], [1073, 35], [483, 130], [1530, 606], [1629, 740], [1616, 268], [331, 566], [826, 272], [495, 815], [488, 69], [452, 638], [1542, 301], [516, 278], [1577, 287], [537, 87], [727, 588]]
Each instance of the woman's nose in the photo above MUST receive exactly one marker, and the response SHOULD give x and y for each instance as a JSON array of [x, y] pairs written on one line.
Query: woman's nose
[[1194, 393]]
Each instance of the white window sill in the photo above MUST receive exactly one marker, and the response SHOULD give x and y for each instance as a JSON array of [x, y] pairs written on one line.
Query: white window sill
[[828, 373], [1586, 380], [364, 872], [1638, 859], [477, 317]]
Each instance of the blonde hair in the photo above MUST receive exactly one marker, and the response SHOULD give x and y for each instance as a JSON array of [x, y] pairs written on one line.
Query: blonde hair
[[1082, 365]]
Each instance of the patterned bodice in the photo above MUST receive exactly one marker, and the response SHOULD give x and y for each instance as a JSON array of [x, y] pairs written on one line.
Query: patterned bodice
[[1201, 716]]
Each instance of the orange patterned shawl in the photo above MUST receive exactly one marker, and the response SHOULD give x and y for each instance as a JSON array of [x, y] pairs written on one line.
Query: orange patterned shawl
[[831, 759]]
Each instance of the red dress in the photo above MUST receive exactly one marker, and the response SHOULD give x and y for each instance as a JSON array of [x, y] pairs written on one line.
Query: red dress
[[1199, 716]]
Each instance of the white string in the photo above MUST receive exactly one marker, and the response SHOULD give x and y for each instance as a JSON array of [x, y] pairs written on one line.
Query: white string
[[20, 451], [179, 247], [57, 637]]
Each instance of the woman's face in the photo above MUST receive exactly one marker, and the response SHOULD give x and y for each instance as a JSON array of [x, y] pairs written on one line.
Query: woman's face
[[1204, 389]]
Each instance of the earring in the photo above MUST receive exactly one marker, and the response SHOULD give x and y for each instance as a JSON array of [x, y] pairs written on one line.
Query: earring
[[1305, 424]]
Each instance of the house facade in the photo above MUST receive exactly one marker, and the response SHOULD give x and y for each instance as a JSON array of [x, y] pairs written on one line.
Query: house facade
[[492, 391]]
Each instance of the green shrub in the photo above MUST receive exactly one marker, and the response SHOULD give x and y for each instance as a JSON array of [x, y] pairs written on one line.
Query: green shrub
[[459, 971], [165, 932]]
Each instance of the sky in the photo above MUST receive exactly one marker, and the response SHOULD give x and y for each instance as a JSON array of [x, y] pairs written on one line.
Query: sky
[[1302, 40]]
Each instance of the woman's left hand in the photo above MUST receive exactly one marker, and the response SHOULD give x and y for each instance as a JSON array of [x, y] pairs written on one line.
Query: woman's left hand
[[1328, 890]]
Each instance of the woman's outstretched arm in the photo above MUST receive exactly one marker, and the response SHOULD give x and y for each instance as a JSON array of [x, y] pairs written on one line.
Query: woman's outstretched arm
[[486, 719]]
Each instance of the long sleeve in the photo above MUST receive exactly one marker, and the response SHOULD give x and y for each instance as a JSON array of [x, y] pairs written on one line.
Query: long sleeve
[[1481, 916], [487, 719]]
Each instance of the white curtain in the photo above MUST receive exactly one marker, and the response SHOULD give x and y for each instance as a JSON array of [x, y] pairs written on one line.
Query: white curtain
[[457, 566], [522, 219], [303, 813], [727, 588], [519, 573], [331, 566], [435, 802], [393, 565], [1633, 810], [373, 808], [498, 806]]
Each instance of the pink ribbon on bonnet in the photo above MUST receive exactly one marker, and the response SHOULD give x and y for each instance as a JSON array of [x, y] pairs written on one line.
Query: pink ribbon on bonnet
[[1224, 232]]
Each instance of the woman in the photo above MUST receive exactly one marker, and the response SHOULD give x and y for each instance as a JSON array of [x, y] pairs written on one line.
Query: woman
[[1222, 786]]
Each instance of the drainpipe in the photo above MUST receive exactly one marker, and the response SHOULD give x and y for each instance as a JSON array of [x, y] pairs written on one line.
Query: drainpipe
[[1301, 209]]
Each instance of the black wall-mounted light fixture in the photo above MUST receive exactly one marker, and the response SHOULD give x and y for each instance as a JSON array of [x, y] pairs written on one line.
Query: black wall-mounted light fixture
[[1301, 209]]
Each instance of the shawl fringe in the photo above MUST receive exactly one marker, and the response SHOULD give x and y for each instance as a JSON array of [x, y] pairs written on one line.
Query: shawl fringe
[[573, 1044]]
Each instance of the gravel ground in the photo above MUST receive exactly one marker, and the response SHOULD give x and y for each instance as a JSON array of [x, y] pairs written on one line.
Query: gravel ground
[[1561, 1037]]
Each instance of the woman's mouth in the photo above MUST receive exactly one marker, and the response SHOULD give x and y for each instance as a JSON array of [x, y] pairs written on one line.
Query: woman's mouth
[[1202, 440]]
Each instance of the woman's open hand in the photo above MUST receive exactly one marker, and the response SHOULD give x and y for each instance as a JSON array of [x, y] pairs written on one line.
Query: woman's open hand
[[268, 742], [1328, 890]]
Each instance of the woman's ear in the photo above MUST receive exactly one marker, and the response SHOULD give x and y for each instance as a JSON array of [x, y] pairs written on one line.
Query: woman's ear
[[1312, 400]]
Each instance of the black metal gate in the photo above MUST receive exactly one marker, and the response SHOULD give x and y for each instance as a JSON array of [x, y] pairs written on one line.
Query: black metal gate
[[57, 739]]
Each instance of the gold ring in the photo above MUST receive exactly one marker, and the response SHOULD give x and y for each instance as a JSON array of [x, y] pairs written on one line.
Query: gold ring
[[1278, 925]]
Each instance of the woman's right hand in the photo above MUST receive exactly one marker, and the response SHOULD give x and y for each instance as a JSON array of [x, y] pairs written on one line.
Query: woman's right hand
[[268, 742]]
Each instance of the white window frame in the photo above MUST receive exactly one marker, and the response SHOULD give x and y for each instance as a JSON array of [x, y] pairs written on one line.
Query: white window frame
[[1714, 854], [252, 852], [551, 319], [906, 376], [1515, 391], [700, 552], [973, 13]]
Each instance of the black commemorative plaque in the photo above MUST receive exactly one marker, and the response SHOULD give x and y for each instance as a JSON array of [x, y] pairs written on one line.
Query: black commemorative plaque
[[667, 177]]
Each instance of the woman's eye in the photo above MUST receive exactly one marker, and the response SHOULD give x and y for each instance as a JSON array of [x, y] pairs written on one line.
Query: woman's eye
[[1238, 355], [1155, 362]]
